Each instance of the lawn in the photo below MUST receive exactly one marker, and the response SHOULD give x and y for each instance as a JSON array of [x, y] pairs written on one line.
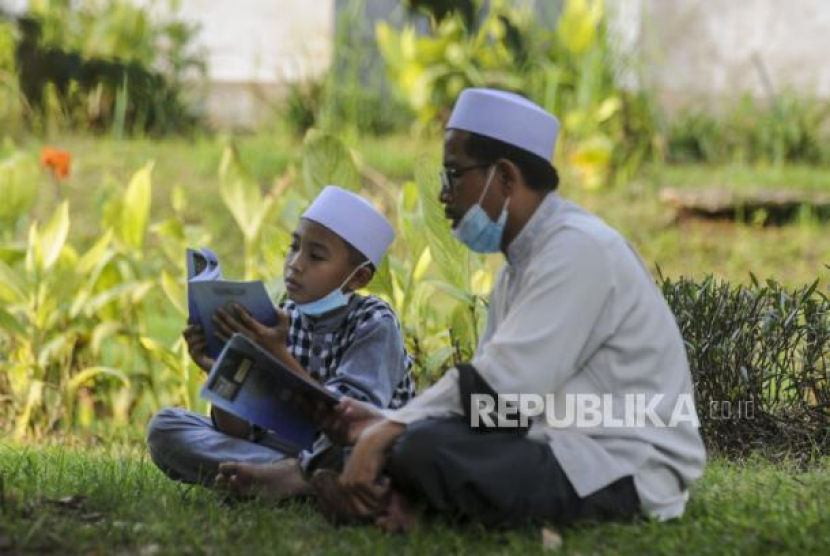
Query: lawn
[[82, 500]]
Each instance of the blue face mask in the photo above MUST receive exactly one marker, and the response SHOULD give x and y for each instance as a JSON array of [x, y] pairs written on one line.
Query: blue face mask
[[335, 300], [476, 230]]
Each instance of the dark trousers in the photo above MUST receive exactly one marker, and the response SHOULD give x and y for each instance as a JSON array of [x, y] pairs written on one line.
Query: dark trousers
[[496, 478]]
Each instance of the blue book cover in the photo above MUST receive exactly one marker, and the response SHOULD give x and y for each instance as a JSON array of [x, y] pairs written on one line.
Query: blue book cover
[[249, 382], [207, 291]]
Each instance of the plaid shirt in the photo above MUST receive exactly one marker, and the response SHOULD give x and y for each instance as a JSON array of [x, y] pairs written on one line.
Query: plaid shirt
[[356, 352]]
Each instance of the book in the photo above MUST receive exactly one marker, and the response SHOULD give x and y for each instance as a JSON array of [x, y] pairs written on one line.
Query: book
[[202, 265], [250, 383], [207, 291]]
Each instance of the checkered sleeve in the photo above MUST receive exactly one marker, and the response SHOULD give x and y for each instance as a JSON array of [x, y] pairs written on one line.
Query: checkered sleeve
[[375, 365]]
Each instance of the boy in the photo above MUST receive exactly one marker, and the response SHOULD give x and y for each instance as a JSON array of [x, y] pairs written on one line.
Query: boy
[[349, 343]]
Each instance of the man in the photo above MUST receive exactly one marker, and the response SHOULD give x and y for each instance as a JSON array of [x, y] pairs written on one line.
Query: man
[[574, 316], [574, 311]]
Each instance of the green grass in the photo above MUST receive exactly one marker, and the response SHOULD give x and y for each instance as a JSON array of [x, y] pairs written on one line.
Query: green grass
[[740, 177], [751, 507]]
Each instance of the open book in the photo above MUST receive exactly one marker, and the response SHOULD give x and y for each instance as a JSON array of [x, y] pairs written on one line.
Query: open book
[[249, 382], [207, 292]]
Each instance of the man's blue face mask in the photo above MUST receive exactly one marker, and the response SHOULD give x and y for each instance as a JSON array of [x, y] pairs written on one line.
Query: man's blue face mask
[[476, 230], [335, 300]]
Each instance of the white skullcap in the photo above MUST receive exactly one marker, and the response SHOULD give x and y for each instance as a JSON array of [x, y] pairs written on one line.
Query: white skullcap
[[354, 219], [507, 117]]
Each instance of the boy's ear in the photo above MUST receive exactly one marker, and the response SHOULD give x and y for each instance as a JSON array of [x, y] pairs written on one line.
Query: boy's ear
[[361, 278]]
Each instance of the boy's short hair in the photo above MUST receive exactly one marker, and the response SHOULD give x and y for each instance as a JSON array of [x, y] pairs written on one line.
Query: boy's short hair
[[356, 258]]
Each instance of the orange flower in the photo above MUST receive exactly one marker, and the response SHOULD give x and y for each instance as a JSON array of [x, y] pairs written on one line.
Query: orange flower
[[57, 161]]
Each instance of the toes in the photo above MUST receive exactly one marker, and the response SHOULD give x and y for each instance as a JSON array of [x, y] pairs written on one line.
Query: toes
[[228, 468]]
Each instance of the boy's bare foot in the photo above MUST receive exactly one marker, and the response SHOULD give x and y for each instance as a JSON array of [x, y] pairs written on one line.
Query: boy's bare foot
[[400, 515], [270, 481]]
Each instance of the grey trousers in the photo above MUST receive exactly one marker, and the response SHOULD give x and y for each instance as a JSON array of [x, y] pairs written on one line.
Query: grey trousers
[[187, 447], [496, 478]]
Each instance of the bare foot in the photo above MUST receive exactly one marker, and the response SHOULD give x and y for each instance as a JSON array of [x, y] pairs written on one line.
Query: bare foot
[[400, 515], [331, 498], [269, 481]]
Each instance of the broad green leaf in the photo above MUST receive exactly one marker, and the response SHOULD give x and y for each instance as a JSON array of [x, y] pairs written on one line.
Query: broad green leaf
[[174, 292], [34, 398], [162, 353], [451, 257], [327, 161], [459, 294], [241, 195], [18, 186], [121, 291], [437, 359], [422, 265], [577, 26], [135, 208], [50, 241], [103, 331], [8, 322], [55, 349], [93, 372], [382, 281], [12, 284], [95, 254]]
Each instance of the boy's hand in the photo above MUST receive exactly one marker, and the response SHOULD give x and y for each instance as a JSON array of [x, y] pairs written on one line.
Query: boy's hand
[[196, 341], [237, 319]]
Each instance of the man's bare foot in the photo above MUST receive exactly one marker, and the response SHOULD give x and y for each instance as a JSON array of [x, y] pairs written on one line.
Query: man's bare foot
[[332, 499], [400, 515], [270, 481]]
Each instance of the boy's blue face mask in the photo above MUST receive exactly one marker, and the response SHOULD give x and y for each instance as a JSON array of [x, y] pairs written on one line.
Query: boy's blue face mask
[[335, 300], [476, 230]]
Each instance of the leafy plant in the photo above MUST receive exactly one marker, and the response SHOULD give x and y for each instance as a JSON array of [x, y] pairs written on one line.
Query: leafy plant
[[787, 129], [18, 176], [569, 70], [762, 349], [110, 65]]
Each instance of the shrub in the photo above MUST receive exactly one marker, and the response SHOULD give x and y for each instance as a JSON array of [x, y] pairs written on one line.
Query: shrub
[[759, 360]]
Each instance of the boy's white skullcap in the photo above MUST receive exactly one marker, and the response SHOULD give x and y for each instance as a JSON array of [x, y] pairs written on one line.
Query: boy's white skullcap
[[354, 219]]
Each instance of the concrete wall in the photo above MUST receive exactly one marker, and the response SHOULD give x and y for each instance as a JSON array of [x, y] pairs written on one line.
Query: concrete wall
[[699, 50], [255, 47]]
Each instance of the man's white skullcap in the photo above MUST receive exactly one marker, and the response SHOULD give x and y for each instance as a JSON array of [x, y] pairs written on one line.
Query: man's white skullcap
[[354, 219], [507, 117]]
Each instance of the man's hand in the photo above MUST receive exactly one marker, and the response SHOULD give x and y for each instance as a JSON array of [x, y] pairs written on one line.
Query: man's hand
[[196, 341], [347, 421], [361, 479], [236, 319]]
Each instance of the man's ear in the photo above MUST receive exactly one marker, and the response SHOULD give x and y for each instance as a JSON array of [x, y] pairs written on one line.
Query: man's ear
[[360, 279], [507, 174]]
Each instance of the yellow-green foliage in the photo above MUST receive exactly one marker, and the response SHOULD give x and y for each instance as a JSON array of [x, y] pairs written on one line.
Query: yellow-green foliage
[[569, 70], [18, 176], [11, 103], [76, 346]]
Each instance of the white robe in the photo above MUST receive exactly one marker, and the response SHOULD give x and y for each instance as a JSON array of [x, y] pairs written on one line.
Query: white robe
[[575, 311]]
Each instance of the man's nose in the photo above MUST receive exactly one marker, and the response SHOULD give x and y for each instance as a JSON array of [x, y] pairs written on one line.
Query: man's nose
[[444, 196]]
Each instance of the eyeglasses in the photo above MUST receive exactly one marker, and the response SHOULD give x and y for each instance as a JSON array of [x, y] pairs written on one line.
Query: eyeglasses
[[450, 176]]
